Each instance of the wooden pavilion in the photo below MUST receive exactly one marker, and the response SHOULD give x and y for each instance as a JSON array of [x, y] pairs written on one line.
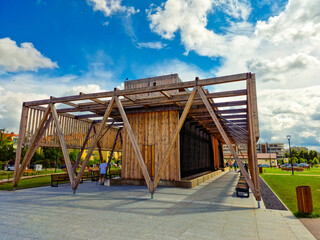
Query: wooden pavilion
[[168, 129]]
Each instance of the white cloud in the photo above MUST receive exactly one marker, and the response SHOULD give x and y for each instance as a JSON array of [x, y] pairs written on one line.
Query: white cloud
[[153, 45], [283, 51], [90, 88], [110, 7], [284, 112], [21, 87], [25, 58], [235, 8]]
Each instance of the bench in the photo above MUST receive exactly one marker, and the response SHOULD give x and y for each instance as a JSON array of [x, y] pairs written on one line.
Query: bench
[[60, 177], [242, 186], [95, 175], [296, 169], [28, 172]]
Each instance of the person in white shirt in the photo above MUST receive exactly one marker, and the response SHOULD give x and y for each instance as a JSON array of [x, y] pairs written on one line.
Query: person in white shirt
[[103, 172]]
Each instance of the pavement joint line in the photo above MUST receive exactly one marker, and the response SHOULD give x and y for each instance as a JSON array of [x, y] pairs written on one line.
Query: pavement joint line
[[168, 200]]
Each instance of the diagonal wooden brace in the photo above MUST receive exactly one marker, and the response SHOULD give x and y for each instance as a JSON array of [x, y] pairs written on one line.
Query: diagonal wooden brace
[[82, 148], [94, 142], [226, 139], [63, 144], [160, 170], [113, 147], [135, 146]]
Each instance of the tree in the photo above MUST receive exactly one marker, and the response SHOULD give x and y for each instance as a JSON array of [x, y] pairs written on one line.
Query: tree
[[315, 161], [52, 156], [294, 160], [73, 155], [303, 154], [7, 153], [312, 154]]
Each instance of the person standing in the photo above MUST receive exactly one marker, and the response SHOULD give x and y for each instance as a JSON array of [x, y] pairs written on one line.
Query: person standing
[[103, 172]]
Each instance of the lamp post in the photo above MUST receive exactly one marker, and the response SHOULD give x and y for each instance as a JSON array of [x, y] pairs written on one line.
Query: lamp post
[[1, 131], [289, 137]]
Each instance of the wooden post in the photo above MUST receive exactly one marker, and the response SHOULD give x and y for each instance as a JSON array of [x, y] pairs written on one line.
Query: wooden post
[[96, 137], [135, 146], [63, 144], [215, 148], [33, 146], [22, 133], [304, 199], [252, 150], [99, 146], [174, 138], [83, 148], [226, 140]]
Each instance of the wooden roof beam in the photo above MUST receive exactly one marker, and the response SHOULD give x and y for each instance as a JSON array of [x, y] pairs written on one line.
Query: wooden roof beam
[[95, 100], [189, 84]]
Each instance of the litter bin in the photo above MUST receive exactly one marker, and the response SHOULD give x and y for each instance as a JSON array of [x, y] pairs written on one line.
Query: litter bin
[[304, 199], [260, 170]]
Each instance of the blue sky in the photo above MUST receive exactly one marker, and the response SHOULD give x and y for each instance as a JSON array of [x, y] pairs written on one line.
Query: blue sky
[[63, 47]]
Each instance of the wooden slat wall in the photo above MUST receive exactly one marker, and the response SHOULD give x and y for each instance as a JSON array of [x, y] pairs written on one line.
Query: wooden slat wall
[[74, 131], [153, 132], [153, 81]]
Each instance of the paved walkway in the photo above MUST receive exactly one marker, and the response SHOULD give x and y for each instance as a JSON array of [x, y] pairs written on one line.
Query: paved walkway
[[209, 211]]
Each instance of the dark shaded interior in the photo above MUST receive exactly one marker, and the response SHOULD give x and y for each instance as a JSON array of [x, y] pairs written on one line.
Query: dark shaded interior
[[196, 154]]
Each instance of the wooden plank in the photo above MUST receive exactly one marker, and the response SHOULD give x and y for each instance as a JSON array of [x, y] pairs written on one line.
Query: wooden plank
[[21, 139], [189, 84], [135, 145], [226, 139], [33, 147], [95, 100], [63, 145], [96, 137], [174, 138]]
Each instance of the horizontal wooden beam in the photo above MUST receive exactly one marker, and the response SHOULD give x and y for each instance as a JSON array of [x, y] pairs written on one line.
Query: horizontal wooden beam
[[189, 84], [138, 109]]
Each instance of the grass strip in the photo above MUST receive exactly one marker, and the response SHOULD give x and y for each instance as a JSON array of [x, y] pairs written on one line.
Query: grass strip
[[285, 187], [28, 183]]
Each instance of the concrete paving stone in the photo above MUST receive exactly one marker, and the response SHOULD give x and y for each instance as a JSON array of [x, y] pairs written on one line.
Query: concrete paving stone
[[209, 211], [189, 236]]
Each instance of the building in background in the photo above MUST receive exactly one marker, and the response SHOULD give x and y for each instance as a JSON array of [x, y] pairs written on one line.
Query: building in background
[[277, 148], [267, 158]]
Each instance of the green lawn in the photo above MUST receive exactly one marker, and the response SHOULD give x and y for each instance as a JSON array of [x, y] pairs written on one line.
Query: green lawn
[[312, 171], [39, 181], [28, 183], [9, 174], [285, 187]]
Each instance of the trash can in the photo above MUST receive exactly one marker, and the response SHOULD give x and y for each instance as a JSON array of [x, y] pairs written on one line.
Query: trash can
[[304, 199], [260, 170]]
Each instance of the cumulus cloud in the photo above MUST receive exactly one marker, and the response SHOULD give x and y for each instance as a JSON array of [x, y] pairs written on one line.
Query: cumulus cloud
[[21, 87], [24, 58], [283, 52], [292, 112], [110, 7], [153, 45]]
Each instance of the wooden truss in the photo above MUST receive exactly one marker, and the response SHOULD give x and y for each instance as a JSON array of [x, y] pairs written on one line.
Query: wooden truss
[[231, 122]]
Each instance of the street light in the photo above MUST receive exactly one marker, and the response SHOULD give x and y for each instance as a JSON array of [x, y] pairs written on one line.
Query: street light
[[289, 137], [1, 131]]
